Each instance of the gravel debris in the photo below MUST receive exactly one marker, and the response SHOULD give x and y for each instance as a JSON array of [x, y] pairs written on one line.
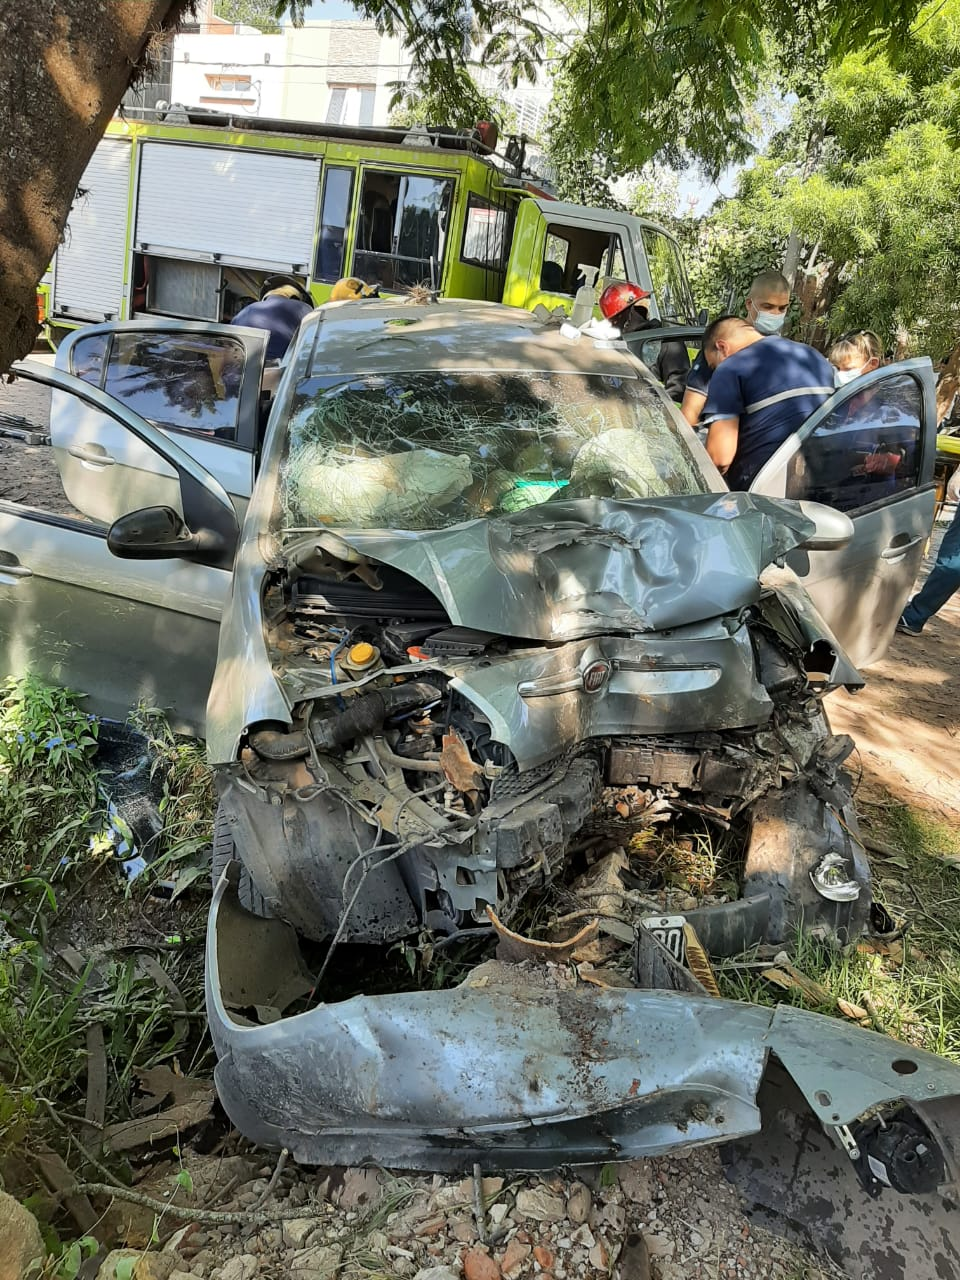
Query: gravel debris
[[359, 1223]]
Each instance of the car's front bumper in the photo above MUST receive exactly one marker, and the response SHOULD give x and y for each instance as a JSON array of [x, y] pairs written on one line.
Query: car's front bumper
[[511, 1070]]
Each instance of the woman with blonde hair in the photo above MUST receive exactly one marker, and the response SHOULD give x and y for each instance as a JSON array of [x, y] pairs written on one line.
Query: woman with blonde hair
[[854, 354]]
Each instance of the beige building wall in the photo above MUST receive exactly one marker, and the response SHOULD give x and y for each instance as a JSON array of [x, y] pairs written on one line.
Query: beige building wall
[[340, 73]]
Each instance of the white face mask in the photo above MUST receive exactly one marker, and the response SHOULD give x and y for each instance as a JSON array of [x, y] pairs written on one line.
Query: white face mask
[[767, 322], [842, 376]]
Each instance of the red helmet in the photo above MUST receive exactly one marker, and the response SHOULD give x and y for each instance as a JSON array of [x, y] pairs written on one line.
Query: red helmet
[[618, 297]]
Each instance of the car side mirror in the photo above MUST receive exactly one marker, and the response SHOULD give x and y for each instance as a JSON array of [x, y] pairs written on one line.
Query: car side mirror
[[703, 315], [159, 533], [833, 529]]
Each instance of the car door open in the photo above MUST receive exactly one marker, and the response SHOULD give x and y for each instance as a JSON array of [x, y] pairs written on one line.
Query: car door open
[[198, 383], [868, 451], [86, 607]]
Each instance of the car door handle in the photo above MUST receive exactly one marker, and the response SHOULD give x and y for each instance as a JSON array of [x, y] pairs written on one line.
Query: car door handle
[[89, 453], [11, 570], [898, 549]]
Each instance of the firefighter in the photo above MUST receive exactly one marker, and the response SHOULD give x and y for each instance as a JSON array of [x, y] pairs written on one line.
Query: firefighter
[[352, 289], [279, 310], [625, 305]]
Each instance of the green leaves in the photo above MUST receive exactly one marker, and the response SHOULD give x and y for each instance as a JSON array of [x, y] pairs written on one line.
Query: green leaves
[[678, 81], [867, 178], [73, 1256]]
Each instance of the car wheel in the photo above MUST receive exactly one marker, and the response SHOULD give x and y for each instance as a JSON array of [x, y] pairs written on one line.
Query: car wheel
[[224, 851]]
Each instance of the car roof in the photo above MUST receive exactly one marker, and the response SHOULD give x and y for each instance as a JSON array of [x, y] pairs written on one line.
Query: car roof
[[387, 335]]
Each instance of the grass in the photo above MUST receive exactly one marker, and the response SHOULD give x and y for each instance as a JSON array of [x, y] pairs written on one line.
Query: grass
[[913, 984], [49, 803], [63, 900], [188, 804]]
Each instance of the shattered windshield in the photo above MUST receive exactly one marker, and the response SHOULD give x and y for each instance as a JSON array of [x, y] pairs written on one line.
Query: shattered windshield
[[429, 450]]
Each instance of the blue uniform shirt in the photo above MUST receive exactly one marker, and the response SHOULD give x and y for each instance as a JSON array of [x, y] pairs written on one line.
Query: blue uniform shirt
[[771, 386], [698, 379], [279, 316]]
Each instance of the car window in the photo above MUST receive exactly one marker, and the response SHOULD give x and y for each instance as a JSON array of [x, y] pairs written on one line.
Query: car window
[[187, 382], [428, 450], [867, 449], [485, 240], [29, 475], [87, 357], [612, 265], [553, 272], [670, 285]]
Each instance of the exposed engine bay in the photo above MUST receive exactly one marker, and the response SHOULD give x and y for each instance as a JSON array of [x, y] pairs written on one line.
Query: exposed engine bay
[[434, 772]]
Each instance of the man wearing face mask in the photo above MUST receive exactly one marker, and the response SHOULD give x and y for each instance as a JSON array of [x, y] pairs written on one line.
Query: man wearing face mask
[[760, 392], [766, 307]]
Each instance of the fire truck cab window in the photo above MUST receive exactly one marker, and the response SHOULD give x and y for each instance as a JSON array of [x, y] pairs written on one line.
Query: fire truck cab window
[[574, 254], [402, 229]]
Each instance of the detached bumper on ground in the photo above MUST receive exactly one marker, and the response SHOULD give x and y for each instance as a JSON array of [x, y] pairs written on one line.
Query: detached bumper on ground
[[512, 1069]]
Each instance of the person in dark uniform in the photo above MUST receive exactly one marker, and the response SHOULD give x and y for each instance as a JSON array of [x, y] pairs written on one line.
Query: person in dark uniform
[[766, 307], [279, 311], [762, 389]]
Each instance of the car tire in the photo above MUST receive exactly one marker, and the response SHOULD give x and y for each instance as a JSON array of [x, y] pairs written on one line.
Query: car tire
[[224, 851]]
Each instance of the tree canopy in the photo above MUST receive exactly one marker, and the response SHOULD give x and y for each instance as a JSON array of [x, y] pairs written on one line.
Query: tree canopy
[[679, 80], [865, 181], [261, 14]]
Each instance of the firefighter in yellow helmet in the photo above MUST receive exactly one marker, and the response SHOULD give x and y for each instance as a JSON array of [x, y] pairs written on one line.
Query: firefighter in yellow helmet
[[350, 289]]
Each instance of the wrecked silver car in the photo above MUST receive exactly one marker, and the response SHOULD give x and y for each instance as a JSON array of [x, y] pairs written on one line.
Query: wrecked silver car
[[494, 617]]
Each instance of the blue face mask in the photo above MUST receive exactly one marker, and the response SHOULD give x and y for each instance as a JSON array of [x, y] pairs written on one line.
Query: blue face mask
[[767, 323]]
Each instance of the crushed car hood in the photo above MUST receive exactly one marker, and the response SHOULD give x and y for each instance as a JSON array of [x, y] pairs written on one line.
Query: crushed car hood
[[596, 565]]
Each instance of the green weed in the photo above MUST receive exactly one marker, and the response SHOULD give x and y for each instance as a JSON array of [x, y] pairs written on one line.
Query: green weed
[[188, 805], [52, 825], [49, 803]]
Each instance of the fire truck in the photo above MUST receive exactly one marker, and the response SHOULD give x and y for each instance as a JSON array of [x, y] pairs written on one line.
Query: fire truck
[[187, 215]]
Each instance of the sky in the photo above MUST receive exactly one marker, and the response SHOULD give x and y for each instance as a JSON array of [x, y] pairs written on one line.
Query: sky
[[330, 11]]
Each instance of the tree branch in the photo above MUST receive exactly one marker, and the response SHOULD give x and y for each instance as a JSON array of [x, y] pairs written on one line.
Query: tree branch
[[250, 1218]]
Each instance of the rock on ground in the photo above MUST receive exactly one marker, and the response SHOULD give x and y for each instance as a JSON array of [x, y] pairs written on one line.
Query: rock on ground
[[357, 1223], [146, 1266], [20, 1241]]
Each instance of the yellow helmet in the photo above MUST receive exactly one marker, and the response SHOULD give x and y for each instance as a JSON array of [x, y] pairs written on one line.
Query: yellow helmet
[[350, 289]]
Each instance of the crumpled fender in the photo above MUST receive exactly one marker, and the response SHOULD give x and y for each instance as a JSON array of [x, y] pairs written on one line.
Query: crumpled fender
[[512, 1071]]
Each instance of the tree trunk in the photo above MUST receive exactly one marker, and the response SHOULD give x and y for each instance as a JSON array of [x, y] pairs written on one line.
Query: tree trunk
[[64, 66], [812, 158]]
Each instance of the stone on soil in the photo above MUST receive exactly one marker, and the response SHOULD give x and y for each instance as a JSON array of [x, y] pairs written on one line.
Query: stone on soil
[[514, 1256], [296, 1231], [243, 1268], [579, 1204], [635, 1180], [540, 1205], [361, 1188], [318, 1263], [478, 1265], [20, 1242], [147, 1266]]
